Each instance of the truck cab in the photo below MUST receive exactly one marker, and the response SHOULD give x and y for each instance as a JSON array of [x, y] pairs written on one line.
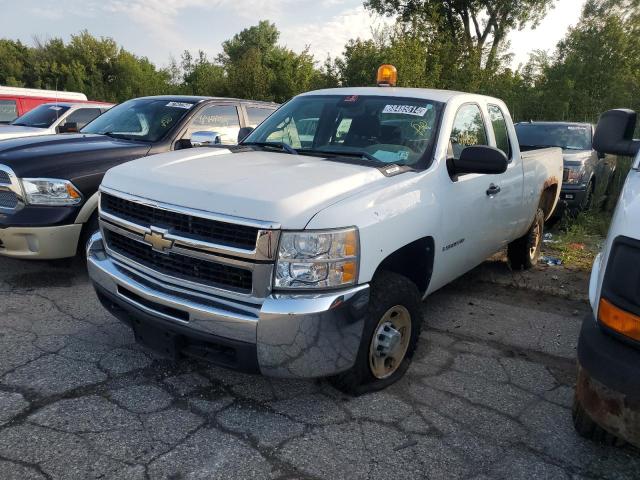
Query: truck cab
[[306, 250]]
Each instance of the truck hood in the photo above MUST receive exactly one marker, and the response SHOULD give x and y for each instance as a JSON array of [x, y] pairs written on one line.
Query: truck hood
[[66, 155], [273, 187], [15, 131]]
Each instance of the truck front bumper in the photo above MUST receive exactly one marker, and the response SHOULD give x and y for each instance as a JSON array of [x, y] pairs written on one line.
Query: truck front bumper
[[572, 198], [292, 336], [608, 384], [37, 232], [41, 243]]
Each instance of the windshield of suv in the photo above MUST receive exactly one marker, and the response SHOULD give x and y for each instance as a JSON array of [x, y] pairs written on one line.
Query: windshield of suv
[[565, 135], [43, 116], [146, 120], [374, 129]]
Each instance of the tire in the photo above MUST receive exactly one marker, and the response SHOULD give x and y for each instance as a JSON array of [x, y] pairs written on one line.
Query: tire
[[524, 252], [89, 228], [589, 429], [394, 300], [588, 199]]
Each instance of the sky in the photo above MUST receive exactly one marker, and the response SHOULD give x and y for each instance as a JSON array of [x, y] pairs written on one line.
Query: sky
[[160, 29]]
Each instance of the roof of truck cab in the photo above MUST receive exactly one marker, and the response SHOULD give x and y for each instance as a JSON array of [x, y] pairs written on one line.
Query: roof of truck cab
[[436, 95], [197, 99]]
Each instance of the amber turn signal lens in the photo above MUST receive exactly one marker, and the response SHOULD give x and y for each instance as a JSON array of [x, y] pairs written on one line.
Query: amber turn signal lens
[[619, 320], [73, 193], [387, 76]]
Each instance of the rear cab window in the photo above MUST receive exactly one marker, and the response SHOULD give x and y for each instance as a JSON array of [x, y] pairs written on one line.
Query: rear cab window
[[8, 110], [256, 115], [500, 130]]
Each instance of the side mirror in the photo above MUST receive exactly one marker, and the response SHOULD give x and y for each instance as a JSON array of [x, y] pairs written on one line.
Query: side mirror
[[480, 159], [614, 133], [244, 133], [202, 139], [68, 127]]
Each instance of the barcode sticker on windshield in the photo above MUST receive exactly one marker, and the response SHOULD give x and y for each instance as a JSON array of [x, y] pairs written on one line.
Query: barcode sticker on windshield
[[577, 128], [406, 110], [55, 108], [180, 105]]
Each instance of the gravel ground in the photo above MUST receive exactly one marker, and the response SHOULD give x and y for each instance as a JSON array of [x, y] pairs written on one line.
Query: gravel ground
[[488, 396]]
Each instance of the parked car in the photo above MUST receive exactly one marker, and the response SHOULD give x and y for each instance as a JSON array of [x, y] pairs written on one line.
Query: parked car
[[308, 255], [18, 101], [52, 118], [584, 167], [49, 184], [607, 399]]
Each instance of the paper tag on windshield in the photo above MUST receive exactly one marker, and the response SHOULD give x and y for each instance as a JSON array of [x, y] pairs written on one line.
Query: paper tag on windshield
[[55, 108], [180, 105], [577, 128], [406, 110]]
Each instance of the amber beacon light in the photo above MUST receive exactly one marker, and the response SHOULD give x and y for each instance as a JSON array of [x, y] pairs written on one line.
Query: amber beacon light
[[387, 76]]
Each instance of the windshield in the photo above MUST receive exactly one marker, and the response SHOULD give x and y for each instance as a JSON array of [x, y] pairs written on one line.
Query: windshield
[[43, 116], [565, 136], [378, 130], [147, 120]]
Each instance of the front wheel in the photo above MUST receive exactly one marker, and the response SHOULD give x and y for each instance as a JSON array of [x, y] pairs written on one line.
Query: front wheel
[[524, 252], [389, 338]]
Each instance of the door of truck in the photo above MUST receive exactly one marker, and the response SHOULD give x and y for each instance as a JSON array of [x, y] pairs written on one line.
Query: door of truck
[[469, 223], [506, 203]]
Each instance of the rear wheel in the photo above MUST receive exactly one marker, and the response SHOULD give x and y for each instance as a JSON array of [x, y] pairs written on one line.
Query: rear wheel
[[589, 429], [389, 338], [524, 252]]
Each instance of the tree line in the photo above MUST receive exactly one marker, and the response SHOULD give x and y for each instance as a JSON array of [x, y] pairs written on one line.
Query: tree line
[[450, 44]]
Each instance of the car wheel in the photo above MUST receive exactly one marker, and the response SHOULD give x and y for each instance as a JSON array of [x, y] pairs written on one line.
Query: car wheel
[[587, 428], [524, 252], [389, 338]]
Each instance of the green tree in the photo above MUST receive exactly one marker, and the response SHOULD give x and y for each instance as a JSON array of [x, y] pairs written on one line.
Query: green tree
[[480, 26]]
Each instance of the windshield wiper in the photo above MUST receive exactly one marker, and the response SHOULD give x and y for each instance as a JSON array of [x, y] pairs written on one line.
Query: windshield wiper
[[19, 124], [280, 146], [340, 153]]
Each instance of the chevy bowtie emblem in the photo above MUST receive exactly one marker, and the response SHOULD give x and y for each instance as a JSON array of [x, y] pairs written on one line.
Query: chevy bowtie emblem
[[157, 241]]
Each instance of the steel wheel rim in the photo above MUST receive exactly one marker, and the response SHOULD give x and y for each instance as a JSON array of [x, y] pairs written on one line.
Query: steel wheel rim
[[390, 342], [535, 241]]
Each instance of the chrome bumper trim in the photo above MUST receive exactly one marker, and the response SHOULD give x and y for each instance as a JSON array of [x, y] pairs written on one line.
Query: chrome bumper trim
[[297, 336]]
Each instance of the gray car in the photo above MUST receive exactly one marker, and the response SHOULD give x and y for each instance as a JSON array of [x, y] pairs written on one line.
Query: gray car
[[584, 168]]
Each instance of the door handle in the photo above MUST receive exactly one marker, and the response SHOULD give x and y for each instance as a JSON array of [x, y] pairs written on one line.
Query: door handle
[[493, 190]]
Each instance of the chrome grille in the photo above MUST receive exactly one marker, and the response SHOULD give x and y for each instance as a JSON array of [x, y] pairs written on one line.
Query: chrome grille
[[233, 235], [8, 199], [180, 266], [4, 178]]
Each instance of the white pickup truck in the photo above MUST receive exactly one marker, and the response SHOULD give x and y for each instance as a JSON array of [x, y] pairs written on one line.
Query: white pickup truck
[[306, 250]]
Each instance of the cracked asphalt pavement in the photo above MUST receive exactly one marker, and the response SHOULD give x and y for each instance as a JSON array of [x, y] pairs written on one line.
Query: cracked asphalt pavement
[[487, 397]]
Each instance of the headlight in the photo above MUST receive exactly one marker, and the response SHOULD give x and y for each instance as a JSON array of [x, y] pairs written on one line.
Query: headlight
[[50, 191], [317, 259], [573, 174]]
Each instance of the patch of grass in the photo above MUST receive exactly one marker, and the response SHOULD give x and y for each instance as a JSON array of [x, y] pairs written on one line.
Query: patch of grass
[[577, 240]]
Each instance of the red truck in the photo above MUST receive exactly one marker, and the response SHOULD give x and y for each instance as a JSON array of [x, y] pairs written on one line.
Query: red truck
[[18, 101]]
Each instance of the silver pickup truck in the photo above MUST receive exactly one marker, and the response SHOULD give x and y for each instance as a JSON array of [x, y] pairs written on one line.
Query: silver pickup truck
[[584, 167]]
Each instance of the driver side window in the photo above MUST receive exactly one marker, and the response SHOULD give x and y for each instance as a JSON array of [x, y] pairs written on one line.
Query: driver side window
[[468, 130], [222, 119]]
